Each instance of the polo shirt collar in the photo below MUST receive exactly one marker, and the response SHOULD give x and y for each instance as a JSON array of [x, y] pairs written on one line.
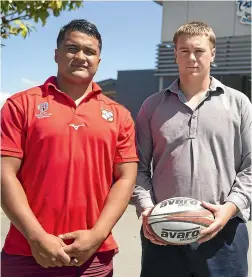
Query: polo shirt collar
[[51, 82], [174, 87], [214, 85]]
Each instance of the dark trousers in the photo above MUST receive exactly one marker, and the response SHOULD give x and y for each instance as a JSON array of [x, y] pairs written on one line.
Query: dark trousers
[[99, 265], [223, 256]]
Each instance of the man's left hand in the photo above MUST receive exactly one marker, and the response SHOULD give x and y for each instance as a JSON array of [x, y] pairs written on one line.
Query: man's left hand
[[85, 245], [222, 214]]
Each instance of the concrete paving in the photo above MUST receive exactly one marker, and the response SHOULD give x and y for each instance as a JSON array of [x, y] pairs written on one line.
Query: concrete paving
[[127, 262], [126, 232]]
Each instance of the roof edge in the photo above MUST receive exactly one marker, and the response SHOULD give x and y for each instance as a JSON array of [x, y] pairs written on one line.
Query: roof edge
[[159, 2]]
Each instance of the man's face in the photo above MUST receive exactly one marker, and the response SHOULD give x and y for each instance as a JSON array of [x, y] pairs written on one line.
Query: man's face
[[78, 57], [194, 55]]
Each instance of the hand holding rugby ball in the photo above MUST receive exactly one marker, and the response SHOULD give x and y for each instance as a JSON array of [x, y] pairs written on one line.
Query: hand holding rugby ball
[[178, 220]]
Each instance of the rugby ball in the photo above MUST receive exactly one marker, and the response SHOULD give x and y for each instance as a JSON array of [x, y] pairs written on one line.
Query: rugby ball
[[178, 220]]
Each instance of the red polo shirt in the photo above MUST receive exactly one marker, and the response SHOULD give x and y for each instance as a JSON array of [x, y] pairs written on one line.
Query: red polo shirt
[[68, 155]]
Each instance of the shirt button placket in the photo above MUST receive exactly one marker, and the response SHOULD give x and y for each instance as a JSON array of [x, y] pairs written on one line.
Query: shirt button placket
[[193, 127]]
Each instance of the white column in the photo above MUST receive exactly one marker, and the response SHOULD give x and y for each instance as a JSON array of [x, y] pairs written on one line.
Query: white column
[[161, 83]]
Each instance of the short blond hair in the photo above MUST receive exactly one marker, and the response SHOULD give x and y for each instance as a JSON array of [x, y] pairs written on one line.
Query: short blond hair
[[195, 28]]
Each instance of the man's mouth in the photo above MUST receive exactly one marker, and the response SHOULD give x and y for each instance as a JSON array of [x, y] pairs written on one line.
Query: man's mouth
[[79, 66]]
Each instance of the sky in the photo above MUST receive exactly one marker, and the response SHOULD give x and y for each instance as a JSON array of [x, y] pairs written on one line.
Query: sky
[[130, 32]]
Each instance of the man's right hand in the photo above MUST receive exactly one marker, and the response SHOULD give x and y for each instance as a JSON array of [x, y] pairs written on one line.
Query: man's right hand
[[48, 251], [146, 230]]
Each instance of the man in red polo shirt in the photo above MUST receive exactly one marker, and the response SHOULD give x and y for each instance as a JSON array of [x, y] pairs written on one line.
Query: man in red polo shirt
[[68, 167]]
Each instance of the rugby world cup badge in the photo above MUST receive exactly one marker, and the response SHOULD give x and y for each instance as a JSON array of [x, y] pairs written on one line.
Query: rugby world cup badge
[[43, 107]]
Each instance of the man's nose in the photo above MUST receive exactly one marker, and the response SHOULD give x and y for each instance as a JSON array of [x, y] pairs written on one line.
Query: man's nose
[[192, 57], [80, 55]]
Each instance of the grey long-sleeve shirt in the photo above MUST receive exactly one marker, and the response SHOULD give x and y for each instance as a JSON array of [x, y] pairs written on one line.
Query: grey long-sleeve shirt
[[203, 153]]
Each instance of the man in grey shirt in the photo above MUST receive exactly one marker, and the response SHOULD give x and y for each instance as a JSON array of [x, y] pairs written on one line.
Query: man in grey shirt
[[197, 136]]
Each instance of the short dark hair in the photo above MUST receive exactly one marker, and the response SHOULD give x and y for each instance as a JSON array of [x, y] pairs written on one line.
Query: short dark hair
[[80, 25]]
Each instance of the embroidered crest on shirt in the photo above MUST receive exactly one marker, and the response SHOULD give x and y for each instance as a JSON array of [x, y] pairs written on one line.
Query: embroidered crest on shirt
[[43, 107], [107, 115]]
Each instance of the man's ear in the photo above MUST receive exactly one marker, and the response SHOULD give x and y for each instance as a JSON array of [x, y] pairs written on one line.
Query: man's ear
[[175, 55], [56, 55], [213, 55]]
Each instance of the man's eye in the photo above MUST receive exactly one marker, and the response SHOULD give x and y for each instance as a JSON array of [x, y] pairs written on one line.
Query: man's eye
[[72, 49], [90, 52]]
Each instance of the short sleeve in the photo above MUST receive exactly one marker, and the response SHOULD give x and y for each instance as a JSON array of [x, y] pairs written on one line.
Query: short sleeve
[[12, 130], [126, 145]]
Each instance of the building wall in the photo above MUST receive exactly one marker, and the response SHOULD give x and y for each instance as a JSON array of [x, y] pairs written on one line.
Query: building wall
[[108, 87], [133, 87], [220, 15]]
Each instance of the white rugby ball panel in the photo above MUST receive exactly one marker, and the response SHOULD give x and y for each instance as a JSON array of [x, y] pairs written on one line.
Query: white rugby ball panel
[[202, 217], [179, 220], [177, 204], [171, 233]]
